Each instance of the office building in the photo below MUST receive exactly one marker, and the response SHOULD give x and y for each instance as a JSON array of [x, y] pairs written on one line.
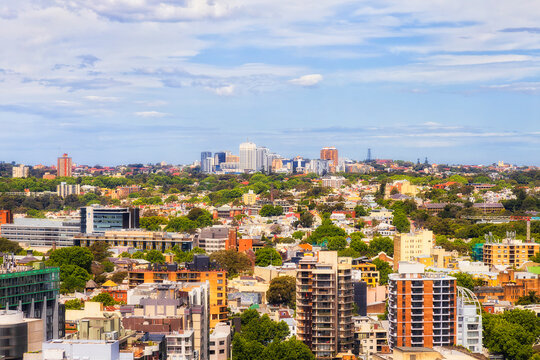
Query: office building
[[319, 166], [6, 217], [200, 270], [207, 162], [324, 304], [248, 157], [19, 334], [65, 189], [220, 157], [421, 308], [139, 239], [35, 292], [261, 161], [409, 246], [100, 219], [41, 232], [469, 312], [510, 252], [330, 153], [20, 171], [64, 166]]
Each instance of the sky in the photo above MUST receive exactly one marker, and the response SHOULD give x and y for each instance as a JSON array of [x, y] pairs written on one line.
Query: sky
[[137, 81]]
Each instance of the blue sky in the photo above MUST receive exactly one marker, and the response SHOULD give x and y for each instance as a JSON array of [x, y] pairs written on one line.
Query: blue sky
[[123, 81]]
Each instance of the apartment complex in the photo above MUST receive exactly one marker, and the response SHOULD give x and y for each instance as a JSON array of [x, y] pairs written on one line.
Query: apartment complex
[[216, 238], [421, 308], [198, 271], [324, 304], [20, 171], [509, 252], [64, 166], [6, 217], [409, 246], [41, 232], [139, 239], [368, 271], [330, 153], [35, 291], [64, 189]]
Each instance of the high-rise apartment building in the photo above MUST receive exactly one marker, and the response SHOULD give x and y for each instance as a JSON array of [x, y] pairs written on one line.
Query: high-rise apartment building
[[6, 217], [324, 304], [100, 219], [330, 153], [205, 155], [262, 161], [64, 166], [20, 171], [510, 252], [220, 157], [248, 157], [409, 246], [421, 308]]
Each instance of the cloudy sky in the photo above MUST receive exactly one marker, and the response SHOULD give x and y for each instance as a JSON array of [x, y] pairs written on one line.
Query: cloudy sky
[[122, 81]]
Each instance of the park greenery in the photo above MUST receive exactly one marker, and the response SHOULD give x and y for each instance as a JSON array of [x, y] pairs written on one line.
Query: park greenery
[[282, 291]]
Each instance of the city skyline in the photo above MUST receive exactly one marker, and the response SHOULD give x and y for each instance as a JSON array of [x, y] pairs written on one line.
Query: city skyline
[[161, 80]]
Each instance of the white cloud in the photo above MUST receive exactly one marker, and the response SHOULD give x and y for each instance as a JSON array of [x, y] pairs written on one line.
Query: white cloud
[[307, 80], [150, 114], [227, 90], [102, 98]]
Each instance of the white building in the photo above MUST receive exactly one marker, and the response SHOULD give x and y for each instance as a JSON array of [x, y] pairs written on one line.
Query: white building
[[20, 171], [65, 189], [262, 161], [469, 324], [83, 349], [220, 342], [248, 157]]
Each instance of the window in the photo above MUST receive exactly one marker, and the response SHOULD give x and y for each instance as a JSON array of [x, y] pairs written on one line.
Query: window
[[220, 281]]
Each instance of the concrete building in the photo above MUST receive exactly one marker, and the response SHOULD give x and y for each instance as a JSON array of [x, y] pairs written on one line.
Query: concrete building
[[195, 273], [20, 171], [249, 198], [83, 349], [469, 312], [19, 334], [35, 291], [370, 336], [216, 238], [332, 181], [248, 157], [509, 252], [37, 233], [324, 304], [205, 155], [421, 308], [330, 153], [220, 342], [95, 219], [64, 166], [139, 239], [262, 158], [6, 217], [65, 189], [407, 247]]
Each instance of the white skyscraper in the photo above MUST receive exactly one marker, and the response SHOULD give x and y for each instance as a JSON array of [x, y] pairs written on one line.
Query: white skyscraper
[[262, 154], [248, 157]]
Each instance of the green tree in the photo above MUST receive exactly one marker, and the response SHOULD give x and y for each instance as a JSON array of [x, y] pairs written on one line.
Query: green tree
[[326, 230], [336, 243], [100, 250], [152, 223], [270, 210], [125, 254], [74, 304], [232, 261], [181, 224], [531, 298], [360, 211], [138, 255], [105, 298], [267, 256], [298, 235], [378, 244], [8, 246], [467, 281], [306, 219], [155, 257], [401, 222], [74, 255], [119, 276], [282, 291], [170, 199], [360, 246], [384, 270]]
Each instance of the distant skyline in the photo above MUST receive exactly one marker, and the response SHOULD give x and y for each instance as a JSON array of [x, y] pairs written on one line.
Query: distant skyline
[[113, 82]]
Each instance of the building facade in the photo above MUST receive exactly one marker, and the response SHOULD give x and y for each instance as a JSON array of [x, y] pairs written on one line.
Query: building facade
[[35, 292], [41, 232], [65, 189], [248, 157], [324, 304], [20, 171], [509, 252], [100, 219], [64, 166], [421, 308], [409, 246], [19, 334], [330, 153]]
